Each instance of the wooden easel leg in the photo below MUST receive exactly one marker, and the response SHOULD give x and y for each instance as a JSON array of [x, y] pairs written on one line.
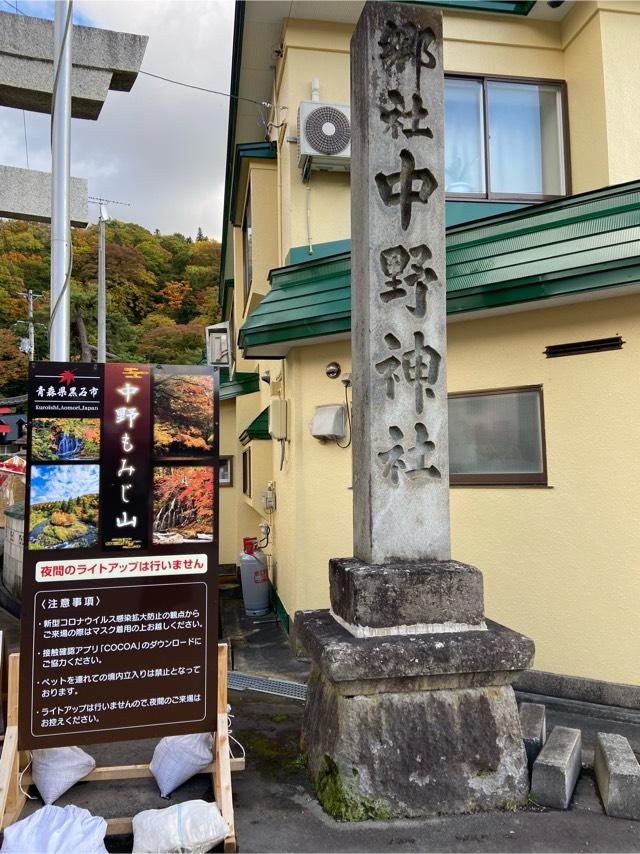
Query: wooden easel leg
[[222, 774], [12, 761], [12, 800]]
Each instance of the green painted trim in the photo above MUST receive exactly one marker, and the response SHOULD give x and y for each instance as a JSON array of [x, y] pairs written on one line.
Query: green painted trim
[[247, 151], [281, 611], [242, 383], [236, 56], [502, 7], [258, 429]]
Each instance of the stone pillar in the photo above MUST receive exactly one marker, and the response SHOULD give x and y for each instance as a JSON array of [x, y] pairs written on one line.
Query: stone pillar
[[400, 441], [410, 709]]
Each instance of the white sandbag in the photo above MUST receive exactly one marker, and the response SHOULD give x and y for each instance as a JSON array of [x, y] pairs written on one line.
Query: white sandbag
[[178, 757], [57, 769], [192, 827], [56, 830]]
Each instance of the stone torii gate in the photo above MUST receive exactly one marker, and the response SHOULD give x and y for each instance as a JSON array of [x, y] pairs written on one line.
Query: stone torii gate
[[103, 61], [410, 708]]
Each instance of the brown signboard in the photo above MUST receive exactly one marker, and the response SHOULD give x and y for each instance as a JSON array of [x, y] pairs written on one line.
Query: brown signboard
[[119, 616]]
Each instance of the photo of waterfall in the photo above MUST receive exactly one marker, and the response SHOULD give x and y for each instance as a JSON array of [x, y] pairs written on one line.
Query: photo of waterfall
[[182, 414], [182, 504], [65, 439]]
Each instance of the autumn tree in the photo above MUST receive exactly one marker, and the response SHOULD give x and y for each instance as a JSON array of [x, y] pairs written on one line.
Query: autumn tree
[[13, 365], [169, 280]]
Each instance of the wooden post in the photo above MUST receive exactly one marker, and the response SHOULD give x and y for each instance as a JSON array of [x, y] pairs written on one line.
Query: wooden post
[[12, 799], [12, 761]]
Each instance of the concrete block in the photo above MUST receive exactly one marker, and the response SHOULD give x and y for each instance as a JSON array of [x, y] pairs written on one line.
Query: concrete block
[[557, 768], [26, 194], [618, 774], [102, 60], [406, 594], [534, 729]]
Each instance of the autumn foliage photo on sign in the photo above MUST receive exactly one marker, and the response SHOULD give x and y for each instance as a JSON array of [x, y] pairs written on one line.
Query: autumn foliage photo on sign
[[183, 415]]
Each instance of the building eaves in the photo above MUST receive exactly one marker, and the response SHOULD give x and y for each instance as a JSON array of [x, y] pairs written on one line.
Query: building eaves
[[247, 151], [566, 247], [234, 86], [242, 383], [258, 429]]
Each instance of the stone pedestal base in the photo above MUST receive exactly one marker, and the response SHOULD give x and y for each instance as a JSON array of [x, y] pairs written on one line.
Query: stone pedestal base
[[417, 725]]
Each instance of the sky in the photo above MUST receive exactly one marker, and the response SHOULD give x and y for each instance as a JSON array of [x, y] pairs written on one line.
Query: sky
[[160, 147], [57, 483]]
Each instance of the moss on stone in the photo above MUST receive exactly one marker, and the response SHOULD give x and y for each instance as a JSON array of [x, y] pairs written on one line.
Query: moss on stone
[[342, 802]]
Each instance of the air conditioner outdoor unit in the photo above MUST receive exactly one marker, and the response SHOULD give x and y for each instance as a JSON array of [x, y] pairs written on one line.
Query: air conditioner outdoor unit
[[219, 352], [324, 137]]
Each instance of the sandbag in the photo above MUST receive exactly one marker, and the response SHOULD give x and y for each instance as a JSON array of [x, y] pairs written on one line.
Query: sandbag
[[57, 769], [56, 830], [192, 827], [178, 757]]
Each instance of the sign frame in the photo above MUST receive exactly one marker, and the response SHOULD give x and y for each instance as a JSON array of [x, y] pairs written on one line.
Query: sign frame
[[174, 590]]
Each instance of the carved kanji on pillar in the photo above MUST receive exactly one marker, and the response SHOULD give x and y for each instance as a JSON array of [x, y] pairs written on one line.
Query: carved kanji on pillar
[[401, 473]]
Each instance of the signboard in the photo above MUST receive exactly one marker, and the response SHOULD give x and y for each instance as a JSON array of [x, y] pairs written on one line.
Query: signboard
[[120, 574]]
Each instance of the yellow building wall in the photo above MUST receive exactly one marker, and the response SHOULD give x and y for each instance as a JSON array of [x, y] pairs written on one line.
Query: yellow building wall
[[594, 49], [229, 495], [620, 34], [319, 211], [313, 520], [561, 564]]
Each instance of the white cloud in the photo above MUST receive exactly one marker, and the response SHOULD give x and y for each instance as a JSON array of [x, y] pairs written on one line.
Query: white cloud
[[160, 147], [57, 483]]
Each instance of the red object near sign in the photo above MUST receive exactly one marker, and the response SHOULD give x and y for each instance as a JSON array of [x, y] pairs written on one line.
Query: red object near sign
[[4, 428], [249, 544], [6, 410]]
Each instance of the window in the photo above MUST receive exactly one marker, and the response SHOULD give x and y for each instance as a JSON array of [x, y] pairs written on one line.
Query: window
[[225, 471], [497, 437], [505, 138], [247, 235], [246, 472]]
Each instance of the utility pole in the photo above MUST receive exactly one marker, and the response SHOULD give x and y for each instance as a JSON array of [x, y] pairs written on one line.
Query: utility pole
[[60, 169], [103, 217], [30, 296], [102, 286]]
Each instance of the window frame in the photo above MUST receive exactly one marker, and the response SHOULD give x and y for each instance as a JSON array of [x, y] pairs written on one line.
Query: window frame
[[246, 472], [506, 478], [488, 195], [227, 459]]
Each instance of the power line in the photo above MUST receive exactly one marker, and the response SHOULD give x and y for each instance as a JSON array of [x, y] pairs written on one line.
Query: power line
[[14, 8], [204, 89]]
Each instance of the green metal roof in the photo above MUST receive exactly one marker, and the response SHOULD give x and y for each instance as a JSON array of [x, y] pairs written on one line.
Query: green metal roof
[[242, 383], [578, 244], [258, 429], [305, 301]]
